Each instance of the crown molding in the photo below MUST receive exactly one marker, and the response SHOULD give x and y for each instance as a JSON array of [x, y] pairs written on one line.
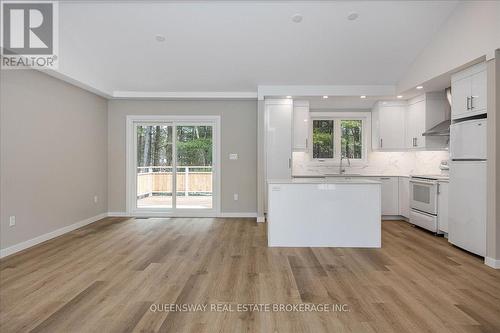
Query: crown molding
[[80, 84], [184, 95]]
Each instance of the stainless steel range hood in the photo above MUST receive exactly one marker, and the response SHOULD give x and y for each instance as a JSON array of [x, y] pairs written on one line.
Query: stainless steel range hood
[[443, 128]]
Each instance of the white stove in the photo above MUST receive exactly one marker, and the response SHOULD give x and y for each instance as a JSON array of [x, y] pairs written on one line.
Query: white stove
[[424, 190]]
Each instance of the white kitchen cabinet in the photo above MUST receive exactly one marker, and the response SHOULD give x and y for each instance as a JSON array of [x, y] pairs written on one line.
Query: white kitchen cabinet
[[390, 194], [388, 126], [278, 117], [443, 207], [478, 92], [415, 124], [460, 97], [404, 196], [300, 125], [423, 113], [468, 90]]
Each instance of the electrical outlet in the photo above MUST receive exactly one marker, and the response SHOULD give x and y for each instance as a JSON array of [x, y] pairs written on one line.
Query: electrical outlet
[[235, 197], [12, 221], [96, 198], [233, 156]]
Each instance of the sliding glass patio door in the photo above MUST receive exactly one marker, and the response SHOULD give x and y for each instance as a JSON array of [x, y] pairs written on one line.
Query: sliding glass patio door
[[174, 167], [154, 171], [194, 151]]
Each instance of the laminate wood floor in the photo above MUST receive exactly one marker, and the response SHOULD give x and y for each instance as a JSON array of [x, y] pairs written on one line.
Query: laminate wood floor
[[107, 276]]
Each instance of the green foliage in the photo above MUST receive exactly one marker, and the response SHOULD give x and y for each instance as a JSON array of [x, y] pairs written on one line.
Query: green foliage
[[195, 152], [323, 138], [351, 138], [154, 145]]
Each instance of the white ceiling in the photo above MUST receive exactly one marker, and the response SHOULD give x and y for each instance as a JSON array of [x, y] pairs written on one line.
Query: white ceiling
[[238, 45]]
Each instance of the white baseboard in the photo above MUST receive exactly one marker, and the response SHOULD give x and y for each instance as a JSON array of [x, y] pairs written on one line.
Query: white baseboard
[[146, 214], [493, 263], [118, 214], [45, 237], [236, 215]]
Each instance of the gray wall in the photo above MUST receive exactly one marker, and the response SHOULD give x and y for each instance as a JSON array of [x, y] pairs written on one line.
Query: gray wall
[[238, 135], [496, 156], [53, 155]]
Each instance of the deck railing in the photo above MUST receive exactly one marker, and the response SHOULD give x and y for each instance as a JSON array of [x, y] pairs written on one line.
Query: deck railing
[[191, 180]]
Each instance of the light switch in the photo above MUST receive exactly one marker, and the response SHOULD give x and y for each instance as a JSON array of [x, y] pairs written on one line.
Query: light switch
[[12, 221], [233, 156]]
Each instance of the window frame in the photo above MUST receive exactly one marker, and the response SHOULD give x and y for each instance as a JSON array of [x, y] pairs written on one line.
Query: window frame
[[337, 118]]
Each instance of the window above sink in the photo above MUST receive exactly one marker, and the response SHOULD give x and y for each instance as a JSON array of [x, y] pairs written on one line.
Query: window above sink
[[335, 135]]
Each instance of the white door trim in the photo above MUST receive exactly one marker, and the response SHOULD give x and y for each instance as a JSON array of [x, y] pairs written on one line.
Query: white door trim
[[131, 160]]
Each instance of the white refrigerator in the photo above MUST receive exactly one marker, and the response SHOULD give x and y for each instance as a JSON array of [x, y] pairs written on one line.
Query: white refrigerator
[[467, 191]]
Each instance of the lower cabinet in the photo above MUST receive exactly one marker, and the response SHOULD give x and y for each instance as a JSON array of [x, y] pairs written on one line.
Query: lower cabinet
[[404, 197], [443, 207], [390, 194]]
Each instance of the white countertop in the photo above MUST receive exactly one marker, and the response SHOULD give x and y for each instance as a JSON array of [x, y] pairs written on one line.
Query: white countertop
[[329, 180]]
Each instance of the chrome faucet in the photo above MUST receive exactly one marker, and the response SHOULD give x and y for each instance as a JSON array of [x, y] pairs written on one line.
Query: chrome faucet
[[342, 170]]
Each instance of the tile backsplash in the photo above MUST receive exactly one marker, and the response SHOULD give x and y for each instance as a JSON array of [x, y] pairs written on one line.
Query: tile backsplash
[[379, 163]]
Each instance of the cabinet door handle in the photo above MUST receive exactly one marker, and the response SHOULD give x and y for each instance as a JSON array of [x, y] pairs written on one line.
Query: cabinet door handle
[[468, 99], [385, 178], [381, 143], [471, 102], [289, 163], [416, 142]]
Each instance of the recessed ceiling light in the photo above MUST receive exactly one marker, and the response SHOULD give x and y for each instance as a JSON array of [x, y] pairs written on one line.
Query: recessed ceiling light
[[160, 38], [362, 96], [420, 87], [288, 96], [325, 97], [400, 96], [297, 18], [352, 16]]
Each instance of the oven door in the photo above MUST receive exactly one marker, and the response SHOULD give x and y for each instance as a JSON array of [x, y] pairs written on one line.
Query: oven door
[[423, 196]]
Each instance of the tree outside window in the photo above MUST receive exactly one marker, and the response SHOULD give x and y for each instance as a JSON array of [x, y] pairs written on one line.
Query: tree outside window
[[351, 138], [323, 138]]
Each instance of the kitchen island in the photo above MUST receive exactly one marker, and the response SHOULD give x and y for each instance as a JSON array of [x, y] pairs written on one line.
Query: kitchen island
[[324, 213]]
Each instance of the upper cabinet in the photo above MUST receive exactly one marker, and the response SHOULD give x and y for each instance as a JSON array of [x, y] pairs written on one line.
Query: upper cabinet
[[300, 125], [468, 90], [415, 123], [399, 125], [278, 138], [388, 126], [423, 113]]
